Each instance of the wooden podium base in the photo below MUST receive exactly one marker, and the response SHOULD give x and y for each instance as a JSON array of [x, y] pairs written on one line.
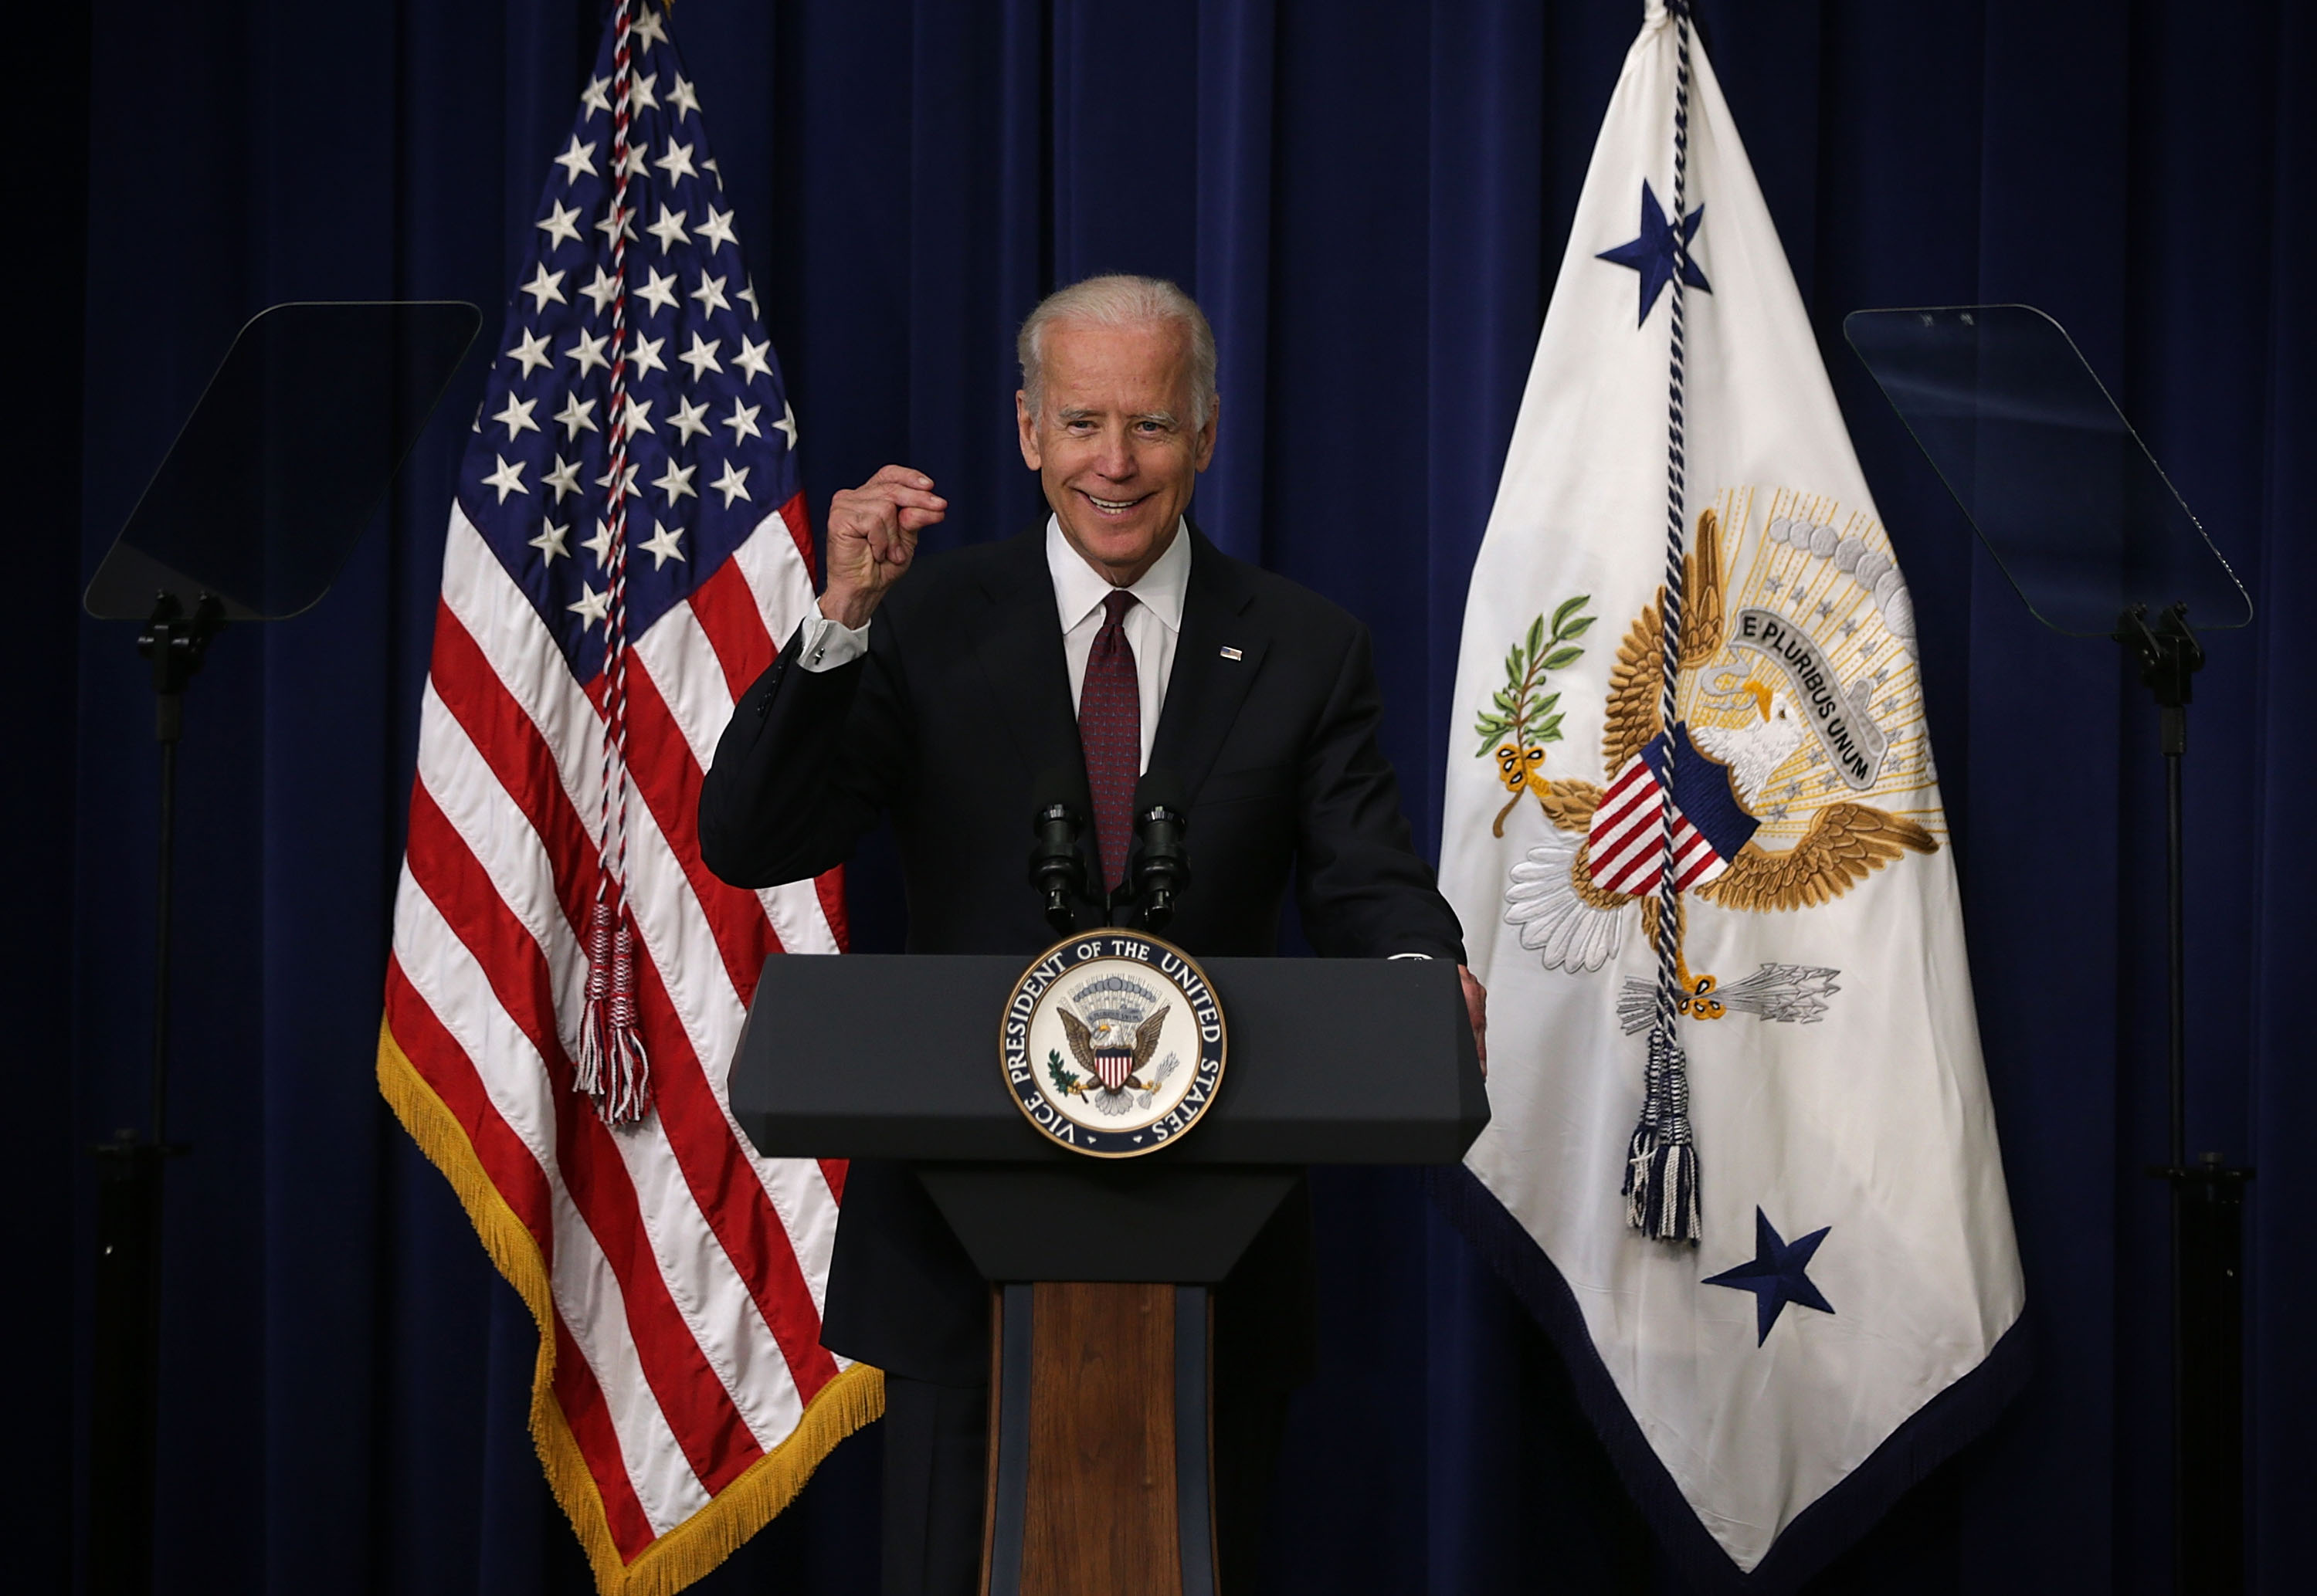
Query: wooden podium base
[[1100, 1444]]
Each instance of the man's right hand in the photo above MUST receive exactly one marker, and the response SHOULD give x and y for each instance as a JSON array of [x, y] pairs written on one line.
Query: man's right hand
[[872, 536]]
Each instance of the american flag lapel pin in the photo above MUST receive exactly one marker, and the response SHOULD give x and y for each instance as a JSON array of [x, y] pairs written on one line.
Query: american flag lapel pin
[[1231, 653]]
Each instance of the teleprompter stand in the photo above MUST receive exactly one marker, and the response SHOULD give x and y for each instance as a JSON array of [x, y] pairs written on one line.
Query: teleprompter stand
[[1101, 1474], [2097, 544], [249, 519]]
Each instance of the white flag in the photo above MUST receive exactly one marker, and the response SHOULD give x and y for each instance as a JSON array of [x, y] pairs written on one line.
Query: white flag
[[1841, 1324]]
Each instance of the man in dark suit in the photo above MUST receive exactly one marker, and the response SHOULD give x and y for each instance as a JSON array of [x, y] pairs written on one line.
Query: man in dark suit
[[1117, 640]]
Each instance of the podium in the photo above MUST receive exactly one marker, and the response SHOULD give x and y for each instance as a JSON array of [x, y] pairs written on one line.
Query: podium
[[1100, 1475]]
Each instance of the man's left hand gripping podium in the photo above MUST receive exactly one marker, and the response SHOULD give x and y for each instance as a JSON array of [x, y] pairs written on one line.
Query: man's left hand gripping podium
[[1076, 1126]]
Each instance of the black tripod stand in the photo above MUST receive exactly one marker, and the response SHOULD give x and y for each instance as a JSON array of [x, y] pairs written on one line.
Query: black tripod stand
[[249, 518], [130, 1169], [2082, 518], [2207, 1197]]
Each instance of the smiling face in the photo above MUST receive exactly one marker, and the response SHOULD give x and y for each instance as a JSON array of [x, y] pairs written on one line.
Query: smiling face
[[1112, 440]]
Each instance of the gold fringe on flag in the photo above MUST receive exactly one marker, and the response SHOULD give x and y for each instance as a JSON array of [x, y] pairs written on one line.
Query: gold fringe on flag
[[853, 1398]]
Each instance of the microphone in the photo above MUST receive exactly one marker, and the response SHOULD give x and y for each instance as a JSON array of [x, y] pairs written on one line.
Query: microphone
[[1162, 868], [1057, 868]]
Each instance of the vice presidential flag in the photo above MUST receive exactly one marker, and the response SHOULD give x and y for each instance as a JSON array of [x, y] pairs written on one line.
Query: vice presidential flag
[[1846, 1313], [627, 550]]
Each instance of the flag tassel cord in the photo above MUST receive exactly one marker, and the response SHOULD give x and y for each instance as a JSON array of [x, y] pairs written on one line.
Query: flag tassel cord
[[613, 1069], [1661, 1167]]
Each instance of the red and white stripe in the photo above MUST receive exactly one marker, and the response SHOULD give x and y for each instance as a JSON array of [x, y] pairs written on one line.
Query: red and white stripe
[[1626, 842], [686, 1274]]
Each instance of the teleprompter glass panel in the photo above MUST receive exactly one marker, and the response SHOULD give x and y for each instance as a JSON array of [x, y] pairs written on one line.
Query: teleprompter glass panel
[[285, 459], [2060, 489]]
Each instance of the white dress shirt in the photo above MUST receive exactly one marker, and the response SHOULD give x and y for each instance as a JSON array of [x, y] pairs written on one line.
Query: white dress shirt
[[1151, 626]]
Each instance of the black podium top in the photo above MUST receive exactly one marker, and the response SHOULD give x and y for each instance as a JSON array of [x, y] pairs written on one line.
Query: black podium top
[[1330, 1061]]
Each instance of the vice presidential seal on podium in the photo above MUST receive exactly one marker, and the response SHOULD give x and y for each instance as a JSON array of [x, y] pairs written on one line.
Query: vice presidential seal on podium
[[1112, 1043]]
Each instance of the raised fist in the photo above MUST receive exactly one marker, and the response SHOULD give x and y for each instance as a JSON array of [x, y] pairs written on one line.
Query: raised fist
[[872, 536]]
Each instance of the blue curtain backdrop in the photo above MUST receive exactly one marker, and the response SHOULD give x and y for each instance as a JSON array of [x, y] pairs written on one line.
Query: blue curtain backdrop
[[1371, 200]]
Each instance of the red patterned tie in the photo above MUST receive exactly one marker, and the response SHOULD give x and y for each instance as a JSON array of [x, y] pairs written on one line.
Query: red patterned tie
[[1110, 725]]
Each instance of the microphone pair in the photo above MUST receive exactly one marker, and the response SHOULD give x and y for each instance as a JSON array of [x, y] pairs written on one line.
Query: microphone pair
[[1158, 870]]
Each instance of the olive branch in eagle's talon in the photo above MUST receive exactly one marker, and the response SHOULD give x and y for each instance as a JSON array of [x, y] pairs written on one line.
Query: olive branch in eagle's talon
[[1523, 717]]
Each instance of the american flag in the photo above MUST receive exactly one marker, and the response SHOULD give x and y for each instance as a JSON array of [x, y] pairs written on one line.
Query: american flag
[[682, 1394]]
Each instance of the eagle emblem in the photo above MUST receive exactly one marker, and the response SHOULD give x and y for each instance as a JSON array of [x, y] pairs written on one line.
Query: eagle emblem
[[1796, 749], [1112, 1051], [1136, 1016]]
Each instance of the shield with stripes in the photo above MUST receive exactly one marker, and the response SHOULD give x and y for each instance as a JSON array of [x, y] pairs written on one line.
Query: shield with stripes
[[1113, 1066], [1625, 845]]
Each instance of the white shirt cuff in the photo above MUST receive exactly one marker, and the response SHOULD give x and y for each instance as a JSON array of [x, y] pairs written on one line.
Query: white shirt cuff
[[827, 644]]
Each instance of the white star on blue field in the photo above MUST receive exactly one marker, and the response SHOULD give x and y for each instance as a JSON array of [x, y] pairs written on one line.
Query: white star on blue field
[[711, 436], [1652, 254]]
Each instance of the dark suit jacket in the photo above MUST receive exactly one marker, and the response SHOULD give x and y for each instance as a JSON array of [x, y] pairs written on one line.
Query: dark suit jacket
[[962, 700]]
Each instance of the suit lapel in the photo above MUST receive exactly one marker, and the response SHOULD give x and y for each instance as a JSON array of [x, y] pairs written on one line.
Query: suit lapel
[[1216, 656], [1019, 649]]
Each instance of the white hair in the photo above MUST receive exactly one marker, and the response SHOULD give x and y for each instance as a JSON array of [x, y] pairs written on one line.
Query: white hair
[[1121, 301]]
